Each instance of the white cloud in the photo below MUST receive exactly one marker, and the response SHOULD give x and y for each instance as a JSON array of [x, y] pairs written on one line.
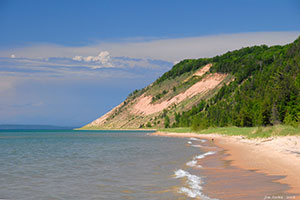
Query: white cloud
[[197, 47], [77, 58], [135, 57], [102, 58], [176, 62], [85, 67], [88, 58], [164, 49]]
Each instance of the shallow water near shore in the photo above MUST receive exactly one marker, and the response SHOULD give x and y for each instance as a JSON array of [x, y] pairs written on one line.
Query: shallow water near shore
[[233, 183], [90, 165], [121, 165]]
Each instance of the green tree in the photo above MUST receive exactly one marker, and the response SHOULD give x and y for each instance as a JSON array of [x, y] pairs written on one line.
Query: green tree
[[148, 124], [167, 122]]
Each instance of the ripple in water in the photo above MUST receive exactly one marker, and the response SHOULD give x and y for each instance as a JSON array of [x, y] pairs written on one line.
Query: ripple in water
[[90, 165]]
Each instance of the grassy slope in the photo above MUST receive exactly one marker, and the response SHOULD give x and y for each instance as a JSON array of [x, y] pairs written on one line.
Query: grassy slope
[[122, 119], [249, 132], [245, 103]]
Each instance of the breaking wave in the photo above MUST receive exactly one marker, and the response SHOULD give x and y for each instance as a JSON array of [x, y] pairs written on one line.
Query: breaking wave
[[194, 182], [193, 163]]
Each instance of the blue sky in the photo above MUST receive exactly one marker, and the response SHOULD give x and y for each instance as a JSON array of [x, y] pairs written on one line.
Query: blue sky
[[68, 62]]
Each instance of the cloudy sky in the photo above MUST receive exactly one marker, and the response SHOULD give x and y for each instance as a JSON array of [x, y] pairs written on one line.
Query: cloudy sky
[[68, 62]]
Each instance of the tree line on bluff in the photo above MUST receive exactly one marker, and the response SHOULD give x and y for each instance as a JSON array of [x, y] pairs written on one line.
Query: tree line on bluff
[[265, 90]]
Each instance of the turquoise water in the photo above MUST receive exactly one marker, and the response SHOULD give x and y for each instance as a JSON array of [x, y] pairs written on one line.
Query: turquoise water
[[91, 165]]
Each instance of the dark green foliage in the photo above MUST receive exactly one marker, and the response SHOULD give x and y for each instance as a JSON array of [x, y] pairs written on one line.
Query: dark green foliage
[[183, 67], [265, 91], [164, 113], [174, 88], [167, 122], [148, 125], [185, 118], [134, 94], [200, 122], [158, 96]]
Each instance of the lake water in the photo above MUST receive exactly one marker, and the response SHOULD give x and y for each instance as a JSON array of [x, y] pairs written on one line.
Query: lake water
[[95, 165]]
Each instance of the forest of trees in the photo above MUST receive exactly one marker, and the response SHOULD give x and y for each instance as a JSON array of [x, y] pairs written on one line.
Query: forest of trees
[[265, 91], [183, 67]]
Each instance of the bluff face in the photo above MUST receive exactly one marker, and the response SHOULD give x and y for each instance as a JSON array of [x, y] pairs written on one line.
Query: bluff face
[[149, 106], [252, 86]]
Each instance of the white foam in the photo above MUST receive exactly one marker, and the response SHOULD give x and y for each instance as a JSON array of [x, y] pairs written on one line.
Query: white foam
[[188, 192], [205, 154], [197, 145], [194, 183], [196, 139], [193, 163], [181, 173], [189, 142]]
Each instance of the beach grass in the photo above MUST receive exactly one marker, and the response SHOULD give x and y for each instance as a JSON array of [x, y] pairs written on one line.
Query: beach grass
[[249, 132]]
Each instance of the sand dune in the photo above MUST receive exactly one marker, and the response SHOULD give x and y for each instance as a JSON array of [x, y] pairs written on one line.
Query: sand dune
[[144, 106]]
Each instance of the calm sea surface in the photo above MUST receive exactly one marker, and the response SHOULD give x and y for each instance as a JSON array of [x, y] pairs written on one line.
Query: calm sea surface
[[93, 165]]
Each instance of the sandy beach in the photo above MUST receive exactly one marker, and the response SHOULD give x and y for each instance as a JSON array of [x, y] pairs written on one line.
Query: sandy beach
[[277, 156]]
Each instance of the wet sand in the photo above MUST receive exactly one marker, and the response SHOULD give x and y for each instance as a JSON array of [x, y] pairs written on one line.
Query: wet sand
[[248, 169]]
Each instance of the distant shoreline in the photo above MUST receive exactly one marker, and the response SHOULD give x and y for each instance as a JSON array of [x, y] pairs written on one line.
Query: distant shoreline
[[111, 129], [272, 156], [32, 127]]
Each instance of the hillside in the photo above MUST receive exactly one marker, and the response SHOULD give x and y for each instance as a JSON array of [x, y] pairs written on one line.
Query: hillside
[[252, 86]]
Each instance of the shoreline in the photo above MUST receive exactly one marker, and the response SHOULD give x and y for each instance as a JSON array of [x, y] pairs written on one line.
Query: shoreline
[[111, 129], [276, 156]]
